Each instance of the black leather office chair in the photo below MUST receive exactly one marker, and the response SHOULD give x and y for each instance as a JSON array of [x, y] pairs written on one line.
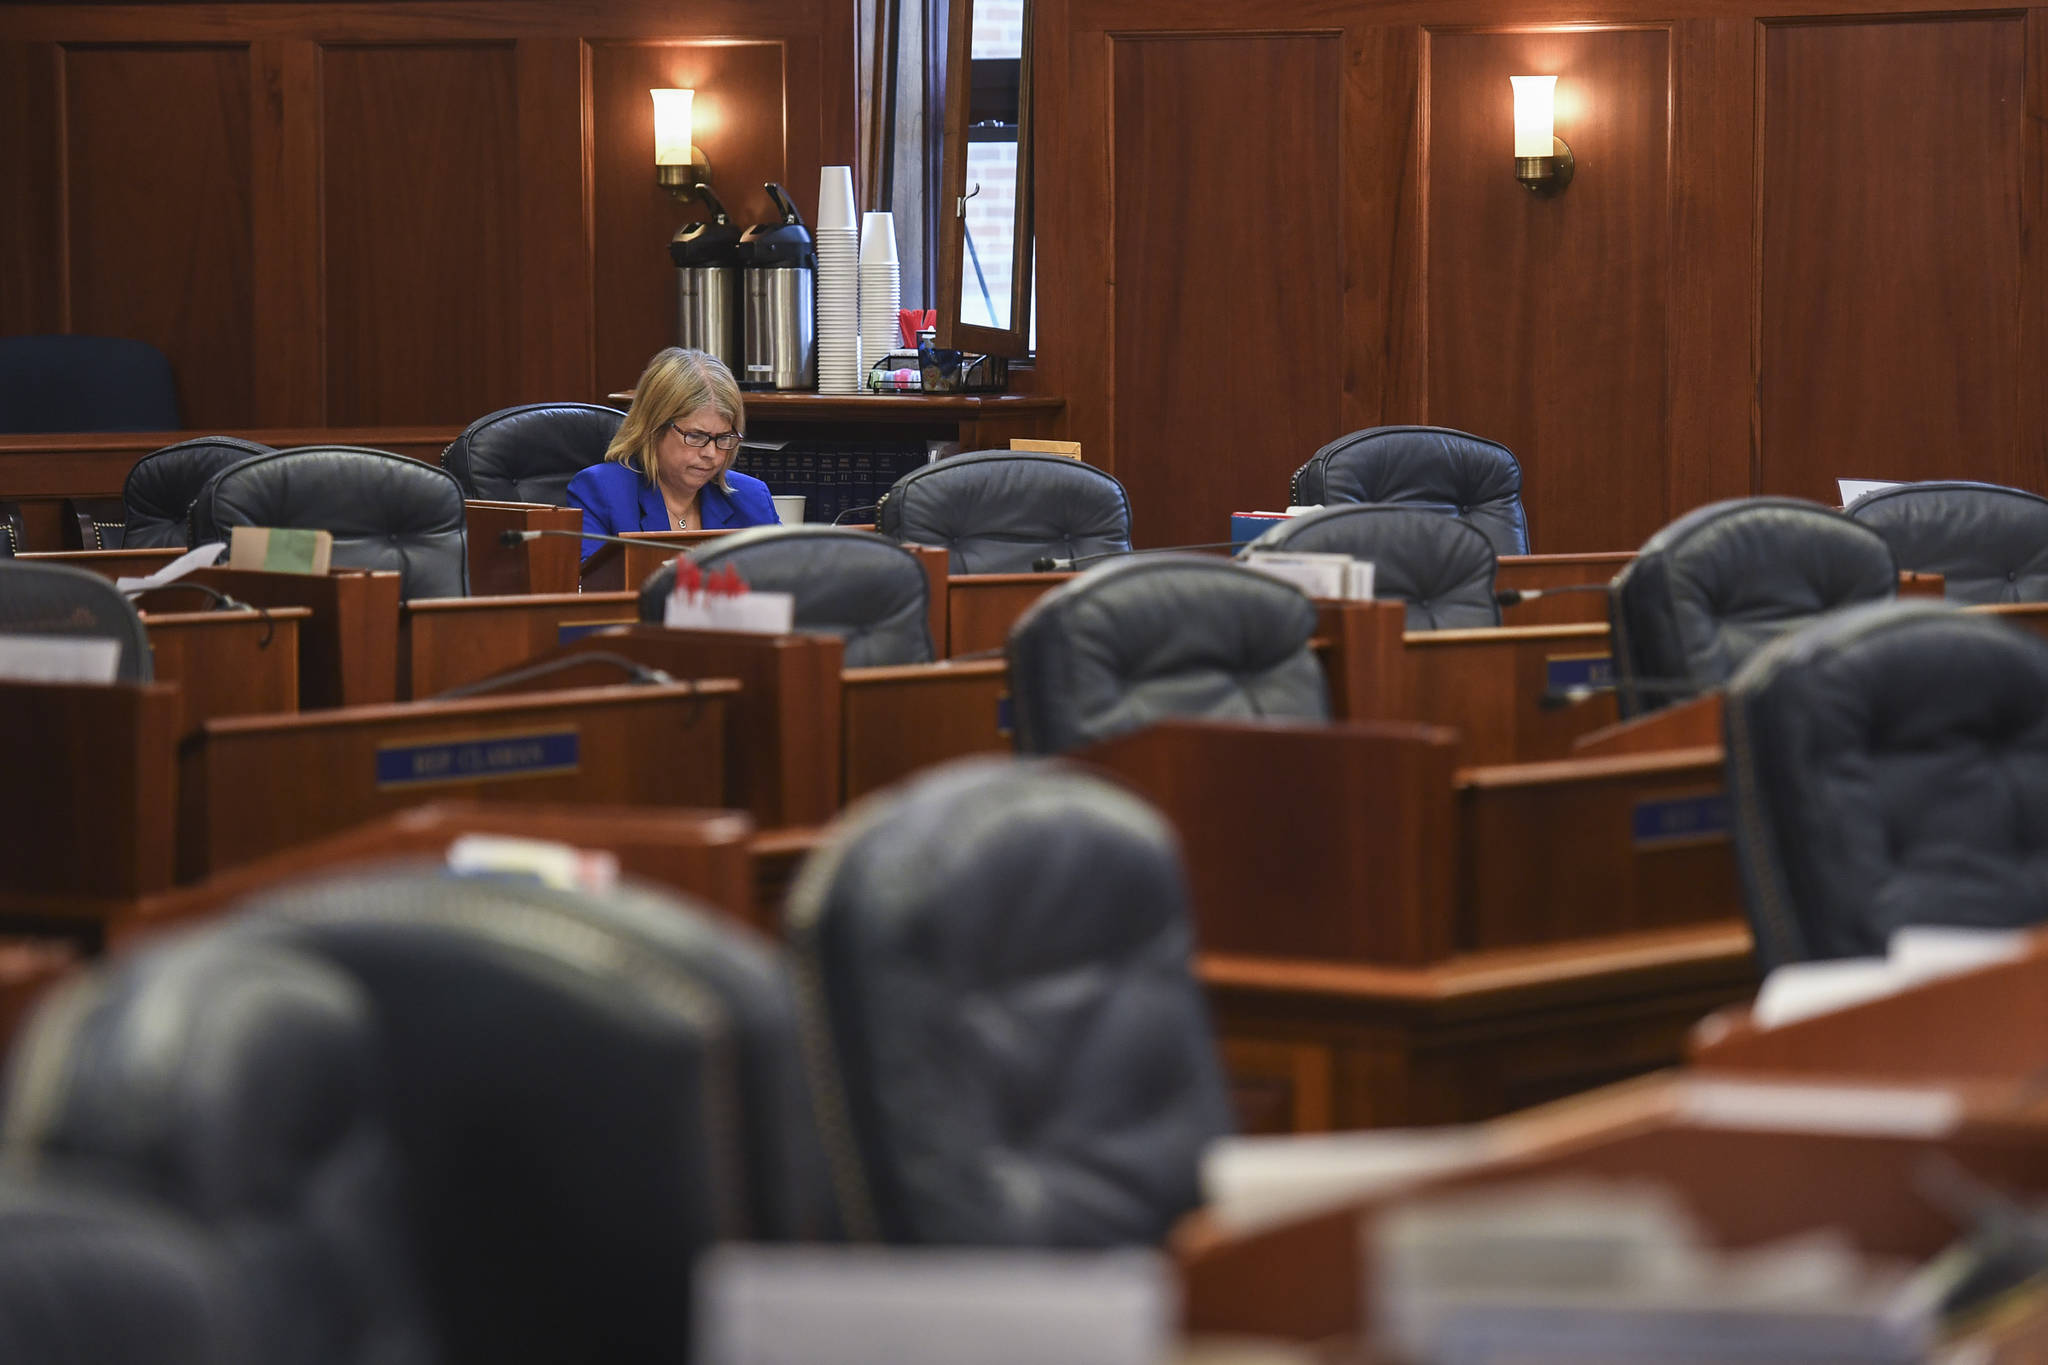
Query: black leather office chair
[[13, 533], [1888, 766], [1442, 567], [1450, 471], [1723, 580], [995, 511], [85, 383], [157, 496], [90, 1279], [868, 591], [1009, 1037], [465, 1119], [56, 599], [1139, 640], [383, 510], [529, 453], [1990, 543]]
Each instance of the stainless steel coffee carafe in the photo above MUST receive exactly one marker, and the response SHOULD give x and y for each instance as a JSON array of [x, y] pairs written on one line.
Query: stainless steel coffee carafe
[[709, 288], [780, 265]]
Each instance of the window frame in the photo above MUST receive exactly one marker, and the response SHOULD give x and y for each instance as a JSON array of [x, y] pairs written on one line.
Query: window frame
[[1013, 341]]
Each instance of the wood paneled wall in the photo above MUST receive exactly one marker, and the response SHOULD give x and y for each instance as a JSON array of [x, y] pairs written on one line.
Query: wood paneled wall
[[388, 214], [1801, 245]]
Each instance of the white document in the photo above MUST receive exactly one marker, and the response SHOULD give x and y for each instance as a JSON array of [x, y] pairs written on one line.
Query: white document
[[1249, 1182], [1801, 1107], [1917, 953], [552, 864], [756, 613], [58, 659], [761, 1305], [1853, 489], [1330, 576], [198, 558]]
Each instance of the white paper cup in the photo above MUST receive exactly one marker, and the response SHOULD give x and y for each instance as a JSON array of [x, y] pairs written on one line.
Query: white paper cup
[[835, 197], [878, 239], [789, 507]]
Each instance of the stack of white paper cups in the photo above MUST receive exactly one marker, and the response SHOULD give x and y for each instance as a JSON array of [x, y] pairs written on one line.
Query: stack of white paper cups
[[838, 283], [881, 287]]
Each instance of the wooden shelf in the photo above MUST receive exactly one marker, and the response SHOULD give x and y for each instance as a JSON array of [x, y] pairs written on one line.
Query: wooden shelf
[[885, 407]]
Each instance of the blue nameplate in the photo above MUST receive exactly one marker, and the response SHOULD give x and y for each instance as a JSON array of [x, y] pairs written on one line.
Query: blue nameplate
[[476, 760], [1561, 671], [1681, 820], [1006, 715], [566, 634]]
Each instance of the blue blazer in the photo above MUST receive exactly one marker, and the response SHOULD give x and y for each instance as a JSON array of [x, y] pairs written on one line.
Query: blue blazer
[[615, 498]]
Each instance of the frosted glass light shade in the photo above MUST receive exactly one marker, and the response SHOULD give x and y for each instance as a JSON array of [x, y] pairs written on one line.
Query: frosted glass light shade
[[1535, 123], [672, 126]]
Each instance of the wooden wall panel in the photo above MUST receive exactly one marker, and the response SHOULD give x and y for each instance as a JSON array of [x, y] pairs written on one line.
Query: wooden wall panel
[[156, 158], [1546, 316], [1228, 347], [1892, 254], [31, 227], [421, 194], [737, 84]]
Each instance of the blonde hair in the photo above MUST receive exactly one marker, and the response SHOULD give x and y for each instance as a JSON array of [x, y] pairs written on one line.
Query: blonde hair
[[675, 384]]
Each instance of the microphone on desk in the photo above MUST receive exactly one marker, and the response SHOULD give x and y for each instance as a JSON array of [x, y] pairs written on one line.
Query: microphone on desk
[[1053, 564], [221, 602], [639, 674], [1514, 597], [1557, 698]]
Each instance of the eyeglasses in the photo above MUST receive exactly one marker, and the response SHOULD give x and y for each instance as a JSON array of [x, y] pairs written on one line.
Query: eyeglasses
[[697, 440]]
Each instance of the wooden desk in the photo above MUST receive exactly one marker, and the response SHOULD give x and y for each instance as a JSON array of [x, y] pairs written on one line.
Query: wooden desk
[[900, 720], [108, 564], [623, 568], [701, 853], [348, 648], [85, 817], [546, 564], [981, 607], [1524, 573], [228, 663], [1309, 1278], [1490, 685], [446, 642], [255, 785], [29, 966]]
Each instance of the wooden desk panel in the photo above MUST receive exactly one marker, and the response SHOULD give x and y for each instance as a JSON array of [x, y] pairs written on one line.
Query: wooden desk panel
[[900, 720], [348, 649], [86, 815], [228, 663], [1693, 724], [700, 853], [783, 749], [446, 642], [255, 785], [544, 565], [981, 607], [1522, 573], [2031, 616], [623, 568], [108, 564], [28, 967]]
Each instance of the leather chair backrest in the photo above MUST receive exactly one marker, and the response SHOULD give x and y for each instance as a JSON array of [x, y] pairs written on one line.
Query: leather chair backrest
[[85, 383], [1888, 766], [13, 531], [1442, 567], [158, 493], [1990, 543], [997, 987], [868, 591], [529, 453], [995, 511], [1723, 580], [557, 1100], [56, 599], [383, 510], [1450, 471], [89, 1279], [1139, 640], [241, 1085]]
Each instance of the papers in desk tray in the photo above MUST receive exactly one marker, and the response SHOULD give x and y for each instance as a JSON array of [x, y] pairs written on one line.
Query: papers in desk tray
[[1254, 1181], [1318, 575], [759, 1305], [58, 659], [1917, 953], [1567, 1272], [1852, 489]]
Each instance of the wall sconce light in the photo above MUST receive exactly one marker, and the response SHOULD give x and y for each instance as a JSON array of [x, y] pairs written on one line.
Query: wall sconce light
[[679, 166], [1543, 163]]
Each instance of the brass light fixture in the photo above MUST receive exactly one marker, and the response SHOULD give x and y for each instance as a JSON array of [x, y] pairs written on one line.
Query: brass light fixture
[[1543, 163], [679, 165]]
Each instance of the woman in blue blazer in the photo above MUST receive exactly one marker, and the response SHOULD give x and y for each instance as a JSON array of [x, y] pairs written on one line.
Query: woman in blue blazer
[[670, 466]]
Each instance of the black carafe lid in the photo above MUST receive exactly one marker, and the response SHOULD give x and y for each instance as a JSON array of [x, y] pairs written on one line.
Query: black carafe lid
[[706, 244], [786, 245]]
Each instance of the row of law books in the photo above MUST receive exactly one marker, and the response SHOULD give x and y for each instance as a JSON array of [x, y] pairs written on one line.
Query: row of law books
[[835, 477]]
